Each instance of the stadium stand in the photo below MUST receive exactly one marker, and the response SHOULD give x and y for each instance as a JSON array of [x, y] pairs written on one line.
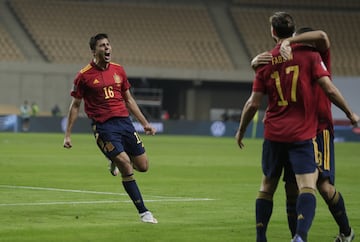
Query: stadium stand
[[160, 35], [181, 36], [197, 52], [9, 51], [253, 21], [330, 4]]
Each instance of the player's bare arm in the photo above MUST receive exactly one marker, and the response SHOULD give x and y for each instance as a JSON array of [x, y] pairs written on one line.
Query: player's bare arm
[[72, 116], [337, 98], [249, 110], [318, 38], [135, 110]]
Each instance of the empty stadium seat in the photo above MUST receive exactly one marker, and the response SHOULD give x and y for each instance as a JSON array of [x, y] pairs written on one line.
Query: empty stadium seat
[[254, 27], [9, 51], [158, 35]]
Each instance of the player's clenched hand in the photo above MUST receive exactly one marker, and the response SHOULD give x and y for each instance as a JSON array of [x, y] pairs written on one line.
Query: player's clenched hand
[[239, 136], [285, 50], [149, 129], [67, 143]]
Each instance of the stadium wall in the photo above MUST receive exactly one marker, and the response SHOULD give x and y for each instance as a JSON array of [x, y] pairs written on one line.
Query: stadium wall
[[192, 94], [50, 84], [12, 123]]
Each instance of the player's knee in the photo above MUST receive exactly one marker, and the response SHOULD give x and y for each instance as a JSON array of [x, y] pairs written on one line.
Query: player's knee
[[142, 167], [309, 190], [326, 190], [140, 163]]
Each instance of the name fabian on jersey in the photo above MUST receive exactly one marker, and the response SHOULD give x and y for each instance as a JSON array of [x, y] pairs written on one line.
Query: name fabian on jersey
[[278, 60]]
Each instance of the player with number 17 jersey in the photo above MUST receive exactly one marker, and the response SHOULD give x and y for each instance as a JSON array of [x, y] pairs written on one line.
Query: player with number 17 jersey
[[102, 91], [291, 114]]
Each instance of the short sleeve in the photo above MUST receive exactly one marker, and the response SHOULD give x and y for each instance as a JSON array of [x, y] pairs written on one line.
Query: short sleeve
[[76, 90]]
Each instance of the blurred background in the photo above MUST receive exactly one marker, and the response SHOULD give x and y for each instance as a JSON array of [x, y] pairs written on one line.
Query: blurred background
[[186, 59]]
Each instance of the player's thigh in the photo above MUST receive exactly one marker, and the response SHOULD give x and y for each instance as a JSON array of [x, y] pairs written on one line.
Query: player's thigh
[[132, 141], [108, 138], [274, 155], [303, 156], [110, 145]]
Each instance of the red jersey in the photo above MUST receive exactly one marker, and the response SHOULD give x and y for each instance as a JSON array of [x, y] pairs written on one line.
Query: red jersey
[[102, 91], [324, 104], [291, 114]]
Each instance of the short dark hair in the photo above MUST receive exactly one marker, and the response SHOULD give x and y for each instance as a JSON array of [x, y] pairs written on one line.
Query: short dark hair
[[303, 30], [95, 38], [283, 24]]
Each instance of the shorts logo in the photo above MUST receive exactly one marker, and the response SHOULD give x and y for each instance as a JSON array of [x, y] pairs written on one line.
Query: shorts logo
[[105, 146], [109, 147]]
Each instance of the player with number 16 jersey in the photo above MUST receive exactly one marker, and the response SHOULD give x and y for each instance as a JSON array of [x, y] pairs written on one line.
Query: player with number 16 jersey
[[105, 89], [102, 91]]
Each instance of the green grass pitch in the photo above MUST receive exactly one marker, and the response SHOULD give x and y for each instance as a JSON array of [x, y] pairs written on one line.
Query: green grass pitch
[[199, 188]]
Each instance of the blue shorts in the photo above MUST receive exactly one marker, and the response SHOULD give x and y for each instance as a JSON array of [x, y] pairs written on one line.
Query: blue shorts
[[326, 159], [117, 135], [294, 158]]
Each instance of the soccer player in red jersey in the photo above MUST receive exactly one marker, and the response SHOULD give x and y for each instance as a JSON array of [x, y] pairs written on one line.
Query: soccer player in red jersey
[[290, 123], [324, 138], [104, 87], [325, 133]]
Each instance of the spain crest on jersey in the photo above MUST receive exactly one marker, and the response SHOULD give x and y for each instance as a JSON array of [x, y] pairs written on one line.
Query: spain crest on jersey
[[117, 79]]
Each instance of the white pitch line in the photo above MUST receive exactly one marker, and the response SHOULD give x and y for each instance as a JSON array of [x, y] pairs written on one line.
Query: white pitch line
[[58, 203], [99, 202], [62, 190], [161, 198]]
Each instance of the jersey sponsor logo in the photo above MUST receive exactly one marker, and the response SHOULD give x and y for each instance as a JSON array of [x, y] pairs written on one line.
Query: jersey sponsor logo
[[96, 81]]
